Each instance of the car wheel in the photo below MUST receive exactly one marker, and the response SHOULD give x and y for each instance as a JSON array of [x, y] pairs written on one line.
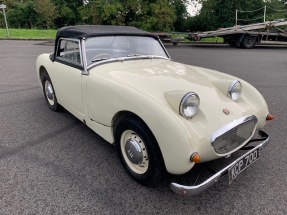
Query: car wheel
[[49, 93], [248, 42], [138, 151], [174, 43]]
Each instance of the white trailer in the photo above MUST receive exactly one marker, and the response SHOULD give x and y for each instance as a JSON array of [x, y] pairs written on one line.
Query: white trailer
[[247, 36]]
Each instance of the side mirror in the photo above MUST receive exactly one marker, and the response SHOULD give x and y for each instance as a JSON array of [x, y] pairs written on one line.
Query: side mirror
[[52, 57]]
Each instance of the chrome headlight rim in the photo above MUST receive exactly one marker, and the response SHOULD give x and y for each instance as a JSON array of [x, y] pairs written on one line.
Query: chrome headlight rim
[[195, 105], [233, 93]]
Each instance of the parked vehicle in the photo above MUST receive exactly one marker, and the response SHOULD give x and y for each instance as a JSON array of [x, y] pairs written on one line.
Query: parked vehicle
[[247, 36], [161, 115]]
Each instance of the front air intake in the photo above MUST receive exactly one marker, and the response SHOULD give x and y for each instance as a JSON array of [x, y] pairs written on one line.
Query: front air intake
[[234, 134]]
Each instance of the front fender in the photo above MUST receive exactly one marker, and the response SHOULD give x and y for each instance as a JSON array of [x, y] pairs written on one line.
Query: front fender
[[44, 62], [106, 97]]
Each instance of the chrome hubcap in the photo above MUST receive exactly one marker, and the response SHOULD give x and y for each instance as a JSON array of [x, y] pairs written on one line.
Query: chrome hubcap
[[49, 92], [134, 152]]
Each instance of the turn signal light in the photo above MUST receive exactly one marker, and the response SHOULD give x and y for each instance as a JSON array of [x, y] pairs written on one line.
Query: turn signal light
[[195, 158], [269, 117]]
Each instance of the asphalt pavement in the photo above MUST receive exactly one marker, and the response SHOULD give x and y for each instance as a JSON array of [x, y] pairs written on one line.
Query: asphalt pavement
[[51, 163]]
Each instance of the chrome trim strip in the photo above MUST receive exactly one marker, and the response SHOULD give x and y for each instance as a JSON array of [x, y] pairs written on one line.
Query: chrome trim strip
[[194, 190], [183, 100], [83, 49], [164, 49], [231, 125], [231, 86]]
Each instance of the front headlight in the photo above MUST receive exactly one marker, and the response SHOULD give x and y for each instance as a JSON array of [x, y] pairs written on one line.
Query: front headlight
[[189, 105], [234, 90]]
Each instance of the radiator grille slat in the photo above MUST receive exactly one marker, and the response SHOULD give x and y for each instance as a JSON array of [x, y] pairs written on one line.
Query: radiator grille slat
[[234, 137]]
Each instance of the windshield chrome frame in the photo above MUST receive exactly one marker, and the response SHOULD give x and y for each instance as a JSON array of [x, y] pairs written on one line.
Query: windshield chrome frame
[[163, 47], [83, 49], [121, 59]]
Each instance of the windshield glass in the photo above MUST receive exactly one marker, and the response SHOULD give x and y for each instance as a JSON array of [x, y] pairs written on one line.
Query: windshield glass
[[107, 47]]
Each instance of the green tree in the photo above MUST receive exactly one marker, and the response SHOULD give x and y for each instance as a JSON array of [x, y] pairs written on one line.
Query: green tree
[[136, 12], [221, 13], [22, 14], [47, 13], [30, 13], [276, 9], [180, 13], [68, 12], [152, 15], [103, 12]]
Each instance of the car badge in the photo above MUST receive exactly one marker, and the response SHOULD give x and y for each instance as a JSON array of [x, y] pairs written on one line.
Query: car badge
[[227, 112]]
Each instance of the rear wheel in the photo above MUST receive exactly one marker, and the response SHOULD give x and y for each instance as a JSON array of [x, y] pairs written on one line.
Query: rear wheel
[[49, 92], [248, 42], [138, 151]]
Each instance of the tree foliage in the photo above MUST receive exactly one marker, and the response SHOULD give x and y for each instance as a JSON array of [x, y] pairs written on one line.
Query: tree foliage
[[221, 13], [46, 12], [151, 15]]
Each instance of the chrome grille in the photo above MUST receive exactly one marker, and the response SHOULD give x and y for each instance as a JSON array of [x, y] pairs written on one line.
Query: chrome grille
[[233, 134]]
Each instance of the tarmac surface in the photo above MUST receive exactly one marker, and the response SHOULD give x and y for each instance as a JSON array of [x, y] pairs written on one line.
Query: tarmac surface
[[51, 163]]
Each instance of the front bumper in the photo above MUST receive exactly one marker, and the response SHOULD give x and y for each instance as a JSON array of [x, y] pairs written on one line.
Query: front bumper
[[194, 190]]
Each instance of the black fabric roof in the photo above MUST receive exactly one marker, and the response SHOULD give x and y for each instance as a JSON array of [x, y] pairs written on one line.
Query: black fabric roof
[[85, 31], [80, 31]]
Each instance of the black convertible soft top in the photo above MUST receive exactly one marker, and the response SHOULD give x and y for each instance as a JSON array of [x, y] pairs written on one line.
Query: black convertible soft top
[[81, 31], [85, 31]]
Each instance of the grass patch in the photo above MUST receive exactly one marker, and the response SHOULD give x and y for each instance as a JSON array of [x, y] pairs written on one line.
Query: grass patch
[[212, 40], [51, 34], [205, 40], [28, 34]]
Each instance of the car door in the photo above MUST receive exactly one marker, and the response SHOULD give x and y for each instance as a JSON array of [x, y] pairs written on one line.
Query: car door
[[68, 73]]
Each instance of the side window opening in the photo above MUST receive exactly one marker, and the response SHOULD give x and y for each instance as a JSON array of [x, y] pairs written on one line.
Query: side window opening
[[69, 51]]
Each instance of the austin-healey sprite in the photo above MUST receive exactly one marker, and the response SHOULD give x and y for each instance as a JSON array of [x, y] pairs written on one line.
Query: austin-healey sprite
[[162, 116]]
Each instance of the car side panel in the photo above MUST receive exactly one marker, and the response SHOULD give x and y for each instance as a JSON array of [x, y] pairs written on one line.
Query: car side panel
[[43, 61], [105, 98], [67, 81]]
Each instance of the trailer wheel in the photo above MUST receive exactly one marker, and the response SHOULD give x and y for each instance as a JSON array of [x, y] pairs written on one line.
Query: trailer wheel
[[248, 42]]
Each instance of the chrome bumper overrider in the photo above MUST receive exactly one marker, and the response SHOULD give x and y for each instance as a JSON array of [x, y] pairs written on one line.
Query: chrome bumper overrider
[[194, 190]]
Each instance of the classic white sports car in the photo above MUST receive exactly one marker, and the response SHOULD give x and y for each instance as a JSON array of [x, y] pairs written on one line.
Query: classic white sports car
[[161, 115]]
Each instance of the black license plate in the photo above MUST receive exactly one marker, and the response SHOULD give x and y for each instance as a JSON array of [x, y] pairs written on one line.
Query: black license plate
[[242, 164]]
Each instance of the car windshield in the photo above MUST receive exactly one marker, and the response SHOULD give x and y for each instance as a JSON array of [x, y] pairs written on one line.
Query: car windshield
[[108, 47]]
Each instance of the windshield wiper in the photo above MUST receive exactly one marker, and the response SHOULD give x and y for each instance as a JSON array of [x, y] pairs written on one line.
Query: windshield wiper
[[134, 55], [100, 59], [141, 55]]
